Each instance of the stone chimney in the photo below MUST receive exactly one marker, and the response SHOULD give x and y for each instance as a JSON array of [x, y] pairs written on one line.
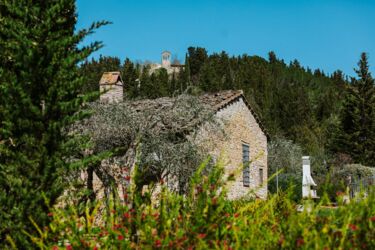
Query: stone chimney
[[307, 181], [111, 87]]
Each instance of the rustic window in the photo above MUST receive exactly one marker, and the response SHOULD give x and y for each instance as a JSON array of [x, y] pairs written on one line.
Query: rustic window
[[246, 164], [260, 176]]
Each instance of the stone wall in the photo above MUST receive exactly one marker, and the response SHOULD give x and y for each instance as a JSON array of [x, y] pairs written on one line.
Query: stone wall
[[111, 93], [170, 69], [239, 126]]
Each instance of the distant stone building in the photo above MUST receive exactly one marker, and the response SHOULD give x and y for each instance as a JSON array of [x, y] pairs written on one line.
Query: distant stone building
[[111, 87], [166, 63], [166, 59], [243, 149]]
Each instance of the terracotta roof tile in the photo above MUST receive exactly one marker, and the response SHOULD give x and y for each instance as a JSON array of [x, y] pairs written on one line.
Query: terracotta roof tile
[[110, 78], [220, 99]]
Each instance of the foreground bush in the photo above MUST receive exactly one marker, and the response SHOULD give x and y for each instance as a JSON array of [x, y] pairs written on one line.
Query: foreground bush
[[40, 99], [204, 219]]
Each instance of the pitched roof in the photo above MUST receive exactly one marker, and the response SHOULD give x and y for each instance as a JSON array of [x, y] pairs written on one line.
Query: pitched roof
[[176, 63], [109, 78], [220, 100], [216, 101], [166, 52]]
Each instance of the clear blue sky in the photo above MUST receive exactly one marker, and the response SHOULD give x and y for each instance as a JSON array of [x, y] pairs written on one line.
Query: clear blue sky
[[323, 34]]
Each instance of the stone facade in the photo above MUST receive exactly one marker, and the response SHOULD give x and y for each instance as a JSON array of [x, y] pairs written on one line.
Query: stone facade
[[166, 63], [240, 127], [166, 59], [111, 93], [111, 87]]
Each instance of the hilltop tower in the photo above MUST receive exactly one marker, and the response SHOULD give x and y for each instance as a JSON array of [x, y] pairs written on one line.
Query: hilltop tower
[[111, 87], [166, 59]]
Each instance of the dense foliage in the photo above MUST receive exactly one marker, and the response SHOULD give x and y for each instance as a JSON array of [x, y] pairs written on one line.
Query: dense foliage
[[205, 219], [40, 97]]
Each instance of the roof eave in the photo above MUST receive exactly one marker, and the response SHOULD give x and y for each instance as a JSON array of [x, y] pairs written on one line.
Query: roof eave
[[236, 97]]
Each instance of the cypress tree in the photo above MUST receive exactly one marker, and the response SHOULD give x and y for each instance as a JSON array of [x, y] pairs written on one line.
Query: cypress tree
[[272, 57], [40, 98], [146, 87], [356, 133], [130, 76], [173, 85], [187, 72], [225, 69], [197, 57], [162, 83]]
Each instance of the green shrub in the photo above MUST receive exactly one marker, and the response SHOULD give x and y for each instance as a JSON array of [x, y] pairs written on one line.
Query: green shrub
[[204, 219]]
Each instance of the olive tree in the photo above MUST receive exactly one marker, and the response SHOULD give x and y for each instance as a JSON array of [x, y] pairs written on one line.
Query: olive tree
[[284, 158], [158, 136]]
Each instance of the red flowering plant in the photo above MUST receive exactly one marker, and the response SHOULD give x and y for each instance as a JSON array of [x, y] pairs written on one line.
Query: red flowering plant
[[207, 220]]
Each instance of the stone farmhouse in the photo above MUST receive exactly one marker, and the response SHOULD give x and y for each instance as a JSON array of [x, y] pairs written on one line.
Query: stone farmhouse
[[243, 150], [111, 87]]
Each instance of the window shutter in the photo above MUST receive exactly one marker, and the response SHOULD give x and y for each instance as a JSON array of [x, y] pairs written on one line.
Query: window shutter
[[246, 164]]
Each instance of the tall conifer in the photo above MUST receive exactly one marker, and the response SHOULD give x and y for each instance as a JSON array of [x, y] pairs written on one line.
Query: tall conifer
[[356, 134], [130, 76], [40, 97]]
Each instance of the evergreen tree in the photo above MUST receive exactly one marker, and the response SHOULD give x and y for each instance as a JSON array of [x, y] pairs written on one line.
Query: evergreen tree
[[208, 78], [40, 97], [225, 67], [187, 72], [290, 99], [181, 83], [197, 57], [162, 83], [146, 87], [130, 77], [356, 134], [272, 57], [173, 85], [339, 78]]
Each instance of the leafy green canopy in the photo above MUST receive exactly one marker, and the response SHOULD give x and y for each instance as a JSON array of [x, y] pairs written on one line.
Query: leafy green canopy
[[39, 90]]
